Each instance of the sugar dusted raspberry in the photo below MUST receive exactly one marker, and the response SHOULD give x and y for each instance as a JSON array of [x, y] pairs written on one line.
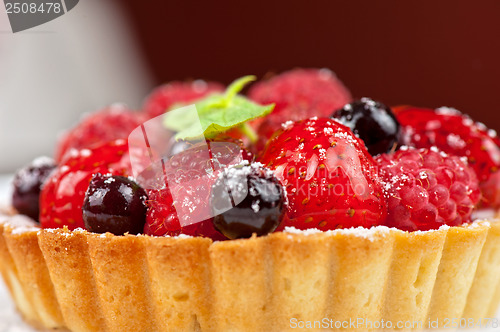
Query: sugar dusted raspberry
[[456, 134], [426, 188]]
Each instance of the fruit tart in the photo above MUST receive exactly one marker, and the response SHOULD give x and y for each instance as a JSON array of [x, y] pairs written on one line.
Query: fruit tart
[[292, 207]]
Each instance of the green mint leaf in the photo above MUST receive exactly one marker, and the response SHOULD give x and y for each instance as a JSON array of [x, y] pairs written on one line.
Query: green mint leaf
[[217, 113], [237, 86], [180, 118]]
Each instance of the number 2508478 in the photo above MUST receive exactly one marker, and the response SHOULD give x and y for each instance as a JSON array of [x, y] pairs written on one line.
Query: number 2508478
[[32, 7]]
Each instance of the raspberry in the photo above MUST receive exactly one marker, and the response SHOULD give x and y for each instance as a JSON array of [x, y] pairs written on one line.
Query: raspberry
[[298, 94], [426, 189], [329, 176], [63, 193], [166, 96], [190, 175], [111, 123], [456, 134]]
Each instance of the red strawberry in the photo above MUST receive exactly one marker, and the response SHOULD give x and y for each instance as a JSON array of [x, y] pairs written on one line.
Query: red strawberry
[[456, 134], [63, 193], [329, 176], [111, 123], [190, 175], [165, 96], [427, 189], [298, 94]]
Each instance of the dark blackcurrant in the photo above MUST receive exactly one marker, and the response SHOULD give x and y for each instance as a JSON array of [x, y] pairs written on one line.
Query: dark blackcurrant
[[114, 204], [27, 184], [373, 122], [247, 199]]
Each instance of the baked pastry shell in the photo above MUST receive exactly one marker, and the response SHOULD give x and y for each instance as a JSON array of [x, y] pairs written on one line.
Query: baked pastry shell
[[83, 281]]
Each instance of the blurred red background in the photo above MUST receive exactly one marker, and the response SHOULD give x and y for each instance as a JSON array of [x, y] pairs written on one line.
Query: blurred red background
[[426, 53]]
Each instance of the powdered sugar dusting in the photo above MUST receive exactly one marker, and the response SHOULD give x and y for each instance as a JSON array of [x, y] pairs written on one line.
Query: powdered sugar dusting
[[182, 236], [24, 229], [65, 233], [109, 180], [366, 233], [310, 231], [328, 130], [467, 122], [447, 111], [256, 206], [42, 161], [455, 141], [481, 126], [287, 125], [442, 228], [85, 152], [235, 170], [370, 233], [20, 224], [477, 224]]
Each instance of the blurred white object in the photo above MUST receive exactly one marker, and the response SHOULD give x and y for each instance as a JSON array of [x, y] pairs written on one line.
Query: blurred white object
[[5, 189], [51, 74]]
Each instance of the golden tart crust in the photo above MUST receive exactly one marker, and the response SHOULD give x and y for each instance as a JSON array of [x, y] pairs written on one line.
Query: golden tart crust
[[89, 282]]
